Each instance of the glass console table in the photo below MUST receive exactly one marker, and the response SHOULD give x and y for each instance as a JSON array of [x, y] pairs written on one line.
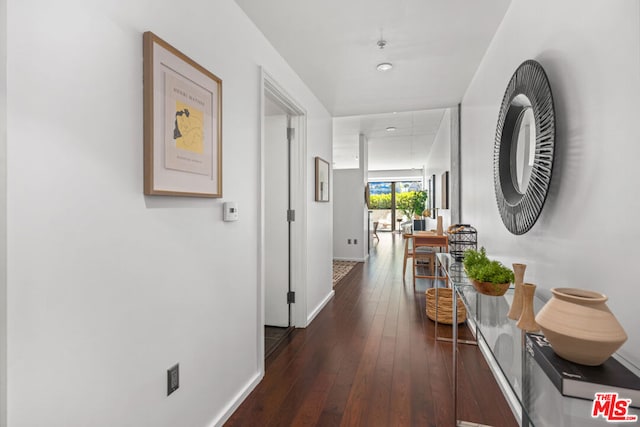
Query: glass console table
[[500, 341], [530, 393]]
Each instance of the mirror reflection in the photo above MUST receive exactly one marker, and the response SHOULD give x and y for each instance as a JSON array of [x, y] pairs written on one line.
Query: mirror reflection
[[523, 147]]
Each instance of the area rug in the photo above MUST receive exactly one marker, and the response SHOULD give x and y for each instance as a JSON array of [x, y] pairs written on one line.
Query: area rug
[[341, 269]]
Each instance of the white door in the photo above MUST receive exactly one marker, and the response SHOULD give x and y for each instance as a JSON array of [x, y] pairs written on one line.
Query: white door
[[276, 225]]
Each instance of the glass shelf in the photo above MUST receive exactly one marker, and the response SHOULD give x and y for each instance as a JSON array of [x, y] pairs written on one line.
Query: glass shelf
[[528, 390], [498, 337]]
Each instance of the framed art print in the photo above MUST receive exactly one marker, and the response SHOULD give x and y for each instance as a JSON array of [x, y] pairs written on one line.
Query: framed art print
[[322, 180], [182, 124], [367, 195], [432, 196], [445, 191]]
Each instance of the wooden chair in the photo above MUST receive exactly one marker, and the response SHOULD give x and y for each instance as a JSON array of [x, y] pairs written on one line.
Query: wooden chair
[[408, 251], [425, 246], [424, 256], [374, 233]]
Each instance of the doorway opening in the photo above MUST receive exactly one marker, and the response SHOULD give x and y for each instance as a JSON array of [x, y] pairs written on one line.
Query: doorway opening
[[282, 216]]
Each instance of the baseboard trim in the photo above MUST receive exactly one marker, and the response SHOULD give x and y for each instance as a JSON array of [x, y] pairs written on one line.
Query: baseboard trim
[[237, 400], [349, 259], [319, 308]]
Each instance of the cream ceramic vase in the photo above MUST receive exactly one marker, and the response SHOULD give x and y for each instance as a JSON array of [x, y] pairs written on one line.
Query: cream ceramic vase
[[516, 305], [580, 326]]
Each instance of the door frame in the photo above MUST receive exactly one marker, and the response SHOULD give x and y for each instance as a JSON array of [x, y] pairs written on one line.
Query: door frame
[[298, 190]]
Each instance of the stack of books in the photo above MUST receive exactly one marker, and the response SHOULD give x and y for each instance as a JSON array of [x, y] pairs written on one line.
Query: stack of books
[[581, 381]]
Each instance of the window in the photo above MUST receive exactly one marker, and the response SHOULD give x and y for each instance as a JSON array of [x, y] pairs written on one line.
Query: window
[[390, 201]]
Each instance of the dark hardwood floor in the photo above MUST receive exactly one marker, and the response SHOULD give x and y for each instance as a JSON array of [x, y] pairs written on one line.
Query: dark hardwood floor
[[370, 358], [273, 336]]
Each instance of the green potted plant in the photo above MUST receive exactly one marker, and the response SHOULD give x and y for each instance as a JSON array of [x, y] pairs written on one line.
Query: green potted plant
[[404, 202], [417, 206], [489, 277]]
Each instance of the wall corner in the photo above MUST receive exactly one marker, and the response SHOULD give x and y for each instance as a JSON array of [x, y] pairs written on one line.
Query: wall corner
[[3, 213]]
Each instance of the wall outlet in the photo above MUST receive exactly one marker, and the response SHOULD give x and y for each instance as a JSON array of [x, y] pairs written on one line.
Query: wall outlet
[[355, 241], [348, 241], [173, 378]]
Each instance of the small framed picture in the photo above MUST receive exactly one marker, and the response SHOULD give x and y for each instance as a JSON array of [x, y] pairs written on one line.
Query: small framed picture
[[367, 196], [322, 180], [445, 191], [432, 196]]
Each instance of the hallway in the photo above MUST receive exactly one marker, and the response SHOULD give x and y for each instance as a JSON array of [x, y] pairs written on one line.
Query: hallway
[[370, 358]]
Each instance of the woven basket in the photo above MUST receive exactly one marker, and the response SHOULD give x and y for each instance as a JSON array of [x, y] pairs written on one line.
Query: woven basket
[[445, 309]]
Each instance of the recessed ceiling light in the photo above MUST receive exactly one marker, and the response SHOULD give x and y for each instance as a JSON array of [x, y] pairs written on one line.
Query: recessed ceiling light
[[391, 129], [384, 66]]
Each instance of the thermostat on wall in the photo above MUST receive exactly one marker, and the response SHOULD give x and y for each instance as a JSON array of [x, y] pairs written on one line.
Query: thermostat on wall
[[230, 211]]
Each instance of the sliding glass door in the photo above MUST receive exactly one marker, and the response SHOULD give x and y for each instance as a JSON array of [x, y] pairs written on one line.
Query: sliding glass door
[[390, 203]]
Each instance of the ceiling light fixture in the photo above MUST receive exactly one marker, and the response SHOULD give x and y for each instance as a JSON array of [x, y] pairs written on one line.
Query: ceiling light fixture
[[391, 129], [383, 66]]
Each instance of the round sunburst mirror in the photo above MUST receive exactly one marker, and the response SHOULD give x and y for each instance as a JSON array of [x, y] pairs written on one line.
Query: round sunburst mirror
[[524, 148]]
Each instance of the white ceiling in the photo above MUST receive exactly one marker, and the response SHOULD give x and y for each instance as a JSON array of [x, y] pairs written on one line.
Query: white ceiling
[[405, 148], [435, 46]]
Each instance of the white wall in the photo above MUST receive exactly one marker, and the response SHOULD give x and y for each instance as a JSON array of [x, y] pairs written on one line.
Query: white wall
[[394, 175], [454, 175], [348, 208], [438, 162], [363, 160], [319, 220], [108, 288], [587, 234], [276, 309], [3, 213]]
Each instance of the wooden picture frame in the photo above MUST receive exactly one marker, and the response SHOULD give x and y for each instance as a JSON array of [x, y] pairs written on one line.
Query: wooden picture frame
[[182, 123], [322, 180], [432, 195], [367, 195], [445, 191]]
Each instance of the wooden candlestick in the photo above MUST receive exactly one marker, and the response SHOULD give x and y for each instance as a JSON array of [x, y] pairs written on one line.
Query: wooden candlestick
[[527, 321], [516, 305]]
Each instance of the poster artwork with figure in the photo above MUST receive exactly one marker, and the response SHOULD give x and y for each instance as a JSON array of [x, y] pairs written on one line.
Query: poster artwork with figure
[[182, 124]]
